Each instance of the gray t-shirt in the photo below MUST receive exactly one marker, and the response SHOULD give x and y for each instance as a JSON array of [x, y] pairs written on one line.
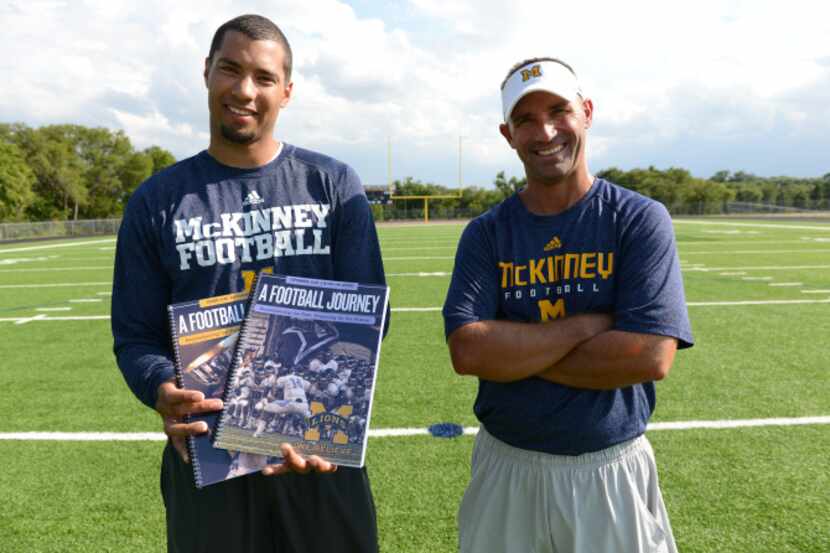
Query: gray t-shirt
[[612, 252]]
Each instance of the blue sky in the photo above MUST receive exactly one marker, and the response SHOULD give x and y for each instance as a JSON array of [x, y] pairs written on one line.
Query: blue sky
[[709, 85]]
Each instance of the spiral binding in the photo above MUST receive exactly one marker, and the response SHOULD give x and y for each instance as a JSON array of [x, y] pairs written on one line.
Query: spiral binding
[[177, 369], [237, 361]]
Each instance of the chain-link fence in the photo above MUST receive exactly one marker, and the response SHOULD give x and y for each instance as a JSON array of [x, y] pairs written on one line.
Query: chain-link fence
[[10, 232]]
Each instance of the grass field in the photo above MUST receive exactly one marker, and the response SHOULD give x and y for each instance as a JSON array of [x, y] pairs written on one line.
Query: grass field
[[759, 299]]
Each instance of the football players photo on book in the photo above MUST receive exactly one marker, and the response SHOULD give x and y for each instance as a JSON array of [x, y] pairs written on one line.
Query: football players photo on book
[[305, 348], [205, 227]]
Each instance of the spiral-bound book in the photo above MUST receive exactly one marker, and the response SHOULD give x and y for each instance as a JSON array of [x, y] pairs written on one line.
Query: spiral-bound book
[[305, 368], [204, 336]]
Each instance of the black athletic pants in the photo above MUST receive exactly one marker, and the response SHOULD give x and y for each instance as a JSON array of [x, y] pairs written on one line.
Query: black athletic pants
[[291, 513]]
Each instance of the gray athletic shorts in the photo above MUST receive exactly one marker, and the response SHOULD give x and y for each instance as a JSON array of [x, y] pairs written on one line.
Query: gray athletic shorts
[[521, 501]]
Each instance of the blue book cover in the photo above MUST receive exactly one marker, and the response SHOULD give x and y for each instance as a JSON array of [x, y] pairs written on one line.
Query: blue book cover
[[204, 335], [305, 369]]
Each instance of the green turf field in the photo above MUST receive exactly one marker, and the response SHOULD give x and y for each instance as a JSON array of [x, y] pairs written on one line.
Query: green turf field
[[759, 299]]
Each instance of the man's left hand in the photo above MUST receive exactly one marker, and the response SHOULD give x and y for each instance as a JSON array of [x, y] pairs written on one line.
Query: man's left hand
[[294, 462]]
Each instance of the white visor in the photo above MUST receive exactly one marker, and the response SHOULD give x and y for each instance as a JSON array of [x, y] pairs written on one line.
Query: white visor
[[546, 75]]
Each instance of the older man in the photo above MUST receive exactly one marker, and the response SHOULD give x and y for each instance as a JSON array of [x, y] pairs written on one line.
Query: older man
[[567, 303]]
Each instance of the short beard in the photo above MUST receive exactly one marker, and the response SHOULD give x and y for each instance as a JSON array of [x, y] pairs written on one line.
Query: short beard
[[236, 137]]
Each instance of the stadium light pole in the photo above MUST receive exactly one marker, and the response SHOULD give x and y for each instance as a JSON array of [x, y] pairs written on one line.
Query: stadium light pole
[[460, 175], [389, 162]]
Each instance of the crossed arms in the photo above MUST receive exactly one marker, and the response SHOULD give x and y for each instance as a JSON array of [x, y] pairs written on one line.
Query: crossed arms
[[580, 351]]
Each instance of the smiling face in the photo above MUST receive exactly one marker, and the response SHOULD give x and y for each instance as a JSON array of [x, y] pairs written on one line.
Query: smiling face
[[247, 88], [548, 133]]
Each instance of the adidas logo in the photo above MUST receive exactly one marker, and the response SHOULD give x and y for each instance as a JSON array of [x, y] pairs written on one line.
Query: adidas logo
[[253, 198], [554, 244]]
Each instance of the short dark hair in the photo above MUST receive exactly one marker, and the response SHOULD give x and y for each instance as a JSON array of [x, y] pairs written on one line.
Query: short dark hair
[[255, 27], [531, 60]]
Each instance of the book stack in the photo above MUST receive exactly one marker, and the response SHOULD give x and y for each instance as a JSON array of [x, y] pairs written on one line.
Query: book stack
[[296, 362]]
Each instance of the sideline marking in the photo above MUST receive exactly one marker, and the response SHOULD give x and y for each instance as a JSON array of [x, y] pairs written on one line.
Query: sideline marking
[[403, 432], [50, 246]]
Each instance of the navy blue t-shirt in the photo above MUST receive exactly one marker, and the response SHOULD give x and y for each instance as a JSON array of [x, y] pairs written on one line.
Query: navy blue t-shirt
[[612, 252], [201, 229]]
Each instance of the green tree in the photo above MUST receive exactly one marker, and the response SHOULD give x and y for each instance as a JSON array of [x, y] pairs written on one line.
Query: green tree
[[160, 157], [16, 183], [508, 187], [59, 187]]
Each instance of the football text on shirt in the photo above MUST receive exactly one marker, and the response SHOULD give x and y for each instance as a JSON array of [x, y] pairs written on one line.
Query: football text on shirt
[[553, 276], [255, 235]]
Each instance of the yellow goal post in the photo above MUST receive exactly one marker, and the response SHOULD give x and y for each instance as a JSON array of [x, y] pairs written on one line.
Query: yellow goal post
[[426, 199]]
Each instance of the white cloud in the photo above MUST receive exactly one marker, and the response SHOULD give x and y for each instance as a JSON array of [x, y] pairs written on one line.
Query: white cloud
[[668, 79]]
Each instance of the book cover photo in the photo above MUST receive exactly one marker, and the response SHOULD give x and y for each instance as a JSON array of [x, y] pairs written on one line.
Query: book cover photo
[[305, 369], [204, 336]]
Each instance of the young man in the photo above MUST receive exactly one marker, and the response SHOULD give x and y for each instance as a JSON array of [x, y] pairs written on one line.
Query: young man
[[205, 227], [566, 301]]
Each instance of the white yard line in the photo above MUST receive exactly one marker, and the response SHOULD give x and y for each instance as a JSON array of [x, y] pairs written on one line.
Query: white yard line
[[404, 432], [786, 283], [57, 285], [416, 248], [417, 258], [756, 278], [58, 269], [734, 273], [752, 225], [684, 253], [682, 244], [761, 268], [52, 246], [418, 274], [25, 320], [815, 291], [758, 302], [86, 300], [53, 309], [44, 318]]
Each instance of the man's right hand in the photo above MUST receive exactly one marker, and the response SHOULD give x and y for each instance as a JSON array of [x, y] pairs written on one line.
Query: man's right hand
[[173, 404]]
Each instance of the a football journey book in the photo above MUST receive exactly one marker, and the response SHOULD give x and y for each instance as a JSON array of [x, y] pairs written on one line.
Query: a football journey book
[[204, 340], [305, 368]]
